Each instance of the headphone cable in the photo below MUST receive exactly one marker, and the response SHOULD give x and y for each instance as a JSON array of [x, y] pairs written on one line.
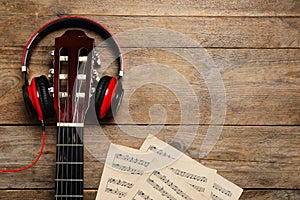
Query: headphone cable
[[36, 159]]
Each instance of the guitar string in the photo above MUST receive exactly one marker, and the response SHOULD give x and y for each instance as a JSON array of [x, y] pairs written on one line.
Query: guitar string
[[60, 169], [75, 119], [72, 158], [61, 152], [57, 156], [64, 154], [69, 139], [78, 137], [57, 159], [72, 136], [65, 137], [69, 165]]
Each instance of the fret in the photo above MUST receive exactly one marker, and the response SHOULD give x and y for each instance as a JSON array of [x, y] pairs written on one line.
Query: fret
[[69, 188], [70, 163], [69, 154], [65, 196], [60, 124], [66, 171], [70, 135], [69, 145], [68, 179]]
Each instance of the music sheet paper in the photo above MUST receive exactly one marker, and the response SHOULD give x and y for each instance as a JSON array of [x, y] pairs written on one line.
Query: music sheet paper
[[162, 185], [216, 187], [201, 178], [225, 190], [122, 168]]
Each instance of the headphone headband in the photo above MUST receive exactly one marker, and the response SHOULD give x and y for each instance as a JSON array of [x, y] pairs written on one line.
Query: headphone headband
[[70, 22]]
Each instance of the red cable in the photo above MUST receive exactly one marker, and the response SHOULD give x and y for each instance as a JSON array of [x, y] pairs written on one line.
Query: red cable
[[33, 163]]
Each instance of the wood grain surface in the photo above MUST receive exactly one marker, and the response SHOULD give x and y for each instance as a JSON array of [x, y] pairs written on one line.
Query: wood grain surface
[[217, 32], [154, 7], [253, 45]]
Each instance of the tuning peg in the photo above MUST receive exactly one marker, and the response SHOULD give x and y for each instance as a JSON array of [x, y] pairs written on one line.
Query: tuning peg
[[96, 75], [96, 59], [51, 91], [51, 73], [93, 90]]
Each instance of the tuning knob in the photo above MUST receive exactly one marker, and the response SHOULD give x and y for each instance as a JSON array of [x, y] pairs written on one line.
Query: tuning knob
[[51, 91], [51, 73], [96, 59], [93, 90], [96, 75]]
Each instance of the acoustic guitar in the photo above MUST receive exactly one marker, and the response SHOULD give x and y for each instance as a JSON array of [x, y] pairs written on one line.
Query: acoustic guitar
[[72, 91]]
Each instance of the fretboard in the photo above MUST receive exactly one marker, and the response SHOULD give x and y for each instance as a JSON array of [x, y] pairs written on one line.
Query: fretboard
[[69, 163]]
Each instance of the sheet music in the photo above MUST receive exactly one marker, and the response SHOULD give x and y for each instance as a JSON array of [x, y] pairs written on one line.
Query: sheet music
[[201, 178], [162, 185], [216, 187], [223, 189], [159, 171], [122, 168]]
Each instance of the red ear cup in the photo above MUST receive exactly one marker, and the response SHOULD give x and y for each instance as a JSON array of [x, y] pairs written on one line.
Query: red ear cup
[[37, 98], [28, 104], [108, 92], [34, 99], [46, 101], [116, 100]]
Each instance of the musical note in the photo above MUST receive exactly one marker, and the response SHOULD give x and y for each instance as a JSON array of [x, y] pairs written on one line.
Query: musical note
[[164, 185], [215, 197], [169, 183], [120, 182], [131, 174], [160, 189], [189, 175], [116, 192], [132, 159], [224, 189], [142, 195], [122, 168], [160, 152], [198, 188], [128, 169], [184, 167]]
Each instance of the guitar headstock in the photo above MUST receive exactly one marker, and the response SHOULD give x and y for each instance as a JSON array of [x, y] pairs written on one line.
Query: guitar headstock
[[72, 75]]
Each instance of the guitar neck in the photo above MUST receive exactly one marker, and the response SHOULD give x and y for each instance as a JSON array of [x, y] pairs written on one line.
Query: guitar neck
[[72, 82], [69, 163]]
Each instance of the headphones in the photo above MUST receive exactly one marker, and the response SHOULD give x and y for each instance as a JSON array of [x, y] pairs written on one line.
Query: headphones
[[109, 90]]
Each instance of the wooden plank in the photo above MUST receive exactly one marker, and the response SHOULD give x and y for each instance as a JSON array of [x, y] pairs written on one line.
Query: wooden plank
[[252, 157], [242, 173], [256, 143], [154, 8], [225, 32], [271, 194], [255, 46], [257, 82], [91, 194]]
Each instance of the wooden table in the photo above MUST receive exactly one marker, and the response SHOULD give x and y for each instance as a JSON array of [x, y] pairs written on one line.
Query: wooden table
[[254, 45]]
